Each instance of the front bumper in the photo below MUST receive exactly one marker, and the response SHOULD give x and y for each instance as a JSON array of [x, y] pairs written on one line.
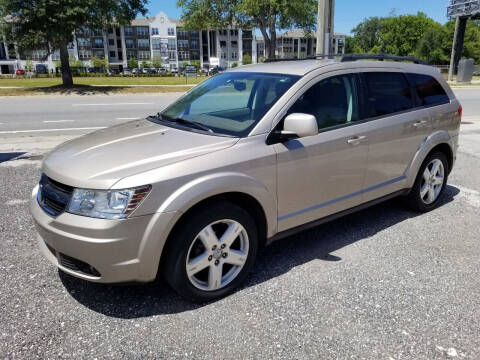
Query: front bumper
[[101, 250]]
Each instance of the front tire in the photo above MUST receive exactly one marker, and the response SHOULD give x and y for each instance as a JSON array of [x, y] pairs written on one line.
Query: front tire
[[212, 252], [430, 183]]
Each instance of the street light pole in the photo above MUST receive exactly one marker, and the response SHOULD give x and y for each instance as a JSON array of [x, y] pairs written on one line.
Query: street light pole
[[325, 26]]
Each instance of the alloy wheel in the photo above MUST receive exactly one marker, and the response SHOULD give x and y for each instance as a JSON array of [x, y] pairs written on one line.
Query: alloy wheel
[[432, 181], [217, 255]]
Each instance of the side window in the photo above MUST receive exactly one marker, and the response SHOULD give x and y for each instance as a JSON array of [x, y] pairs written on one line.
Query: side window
[[332, 101], [429, 91], [387, 93]]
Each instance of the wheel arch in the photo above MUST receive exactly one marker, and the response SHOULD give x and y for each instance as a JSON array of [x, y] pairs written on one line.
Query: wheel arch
[[245, 201], [438, 141]]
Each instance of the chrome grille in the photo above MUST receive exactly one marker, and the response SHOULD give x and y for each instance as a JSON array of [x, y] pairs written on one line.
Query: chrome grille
[[53, 196]]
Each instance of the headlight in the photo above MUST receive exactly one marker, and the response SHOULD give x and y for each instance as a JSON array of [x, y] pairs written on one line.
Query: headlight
[[107, 204]]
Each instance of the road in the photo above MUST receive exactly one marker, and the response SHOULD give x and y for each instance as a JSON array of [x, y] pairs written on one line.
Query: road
[[31, 114], [384, 283]]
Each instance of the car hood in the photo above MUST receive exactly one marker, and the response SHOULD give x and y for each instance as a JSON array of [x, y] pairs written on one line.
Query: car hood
[[100, 159]]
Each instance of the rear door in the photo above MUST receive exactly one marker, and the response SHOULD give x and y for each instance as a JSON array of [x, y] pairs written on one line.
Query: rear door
[[397, 129]]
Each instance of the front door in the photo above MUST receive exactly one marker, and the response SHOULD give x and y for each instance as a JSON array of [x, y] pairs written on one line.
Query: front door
[[323, 174]]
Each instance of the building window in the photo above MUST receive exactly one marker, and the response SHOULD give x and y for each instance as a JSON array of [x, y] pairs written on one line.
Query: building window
[[194, 55], [131, 54], [142, 30], [194, 33], [39, 54], [234, 55], [182, 44], [117, 32], [183, 55], [172, 44], [194, 44], [223, 43], [129, 43], [111, 42], [143, 43], [233, 32], [83, 42], [154, 31], [172, 55], [128, 31], [171, 32], [234, 44], [119, 43], [98, 43], [182, 34], [84, 54], [223, 55], [113, 54], [97, 32], [156, 44], [99, 54], [144, 55]]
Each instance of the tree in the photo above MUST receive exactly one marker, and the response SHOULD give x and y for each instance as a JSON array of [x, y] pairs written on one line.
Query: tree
[[234, 64], [29, 65], [195, 63], [157, 62], [144, 64], [132, 63], [270, 16], [50, 24], [99, 63], [246, 59], [431, 45], [367, 34]]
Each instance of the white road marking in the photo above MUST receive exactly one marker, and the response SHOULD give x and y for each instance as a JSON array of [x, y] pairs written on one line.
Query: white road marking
[[135, 118], [114, 104], [58, 121], [51, 130]]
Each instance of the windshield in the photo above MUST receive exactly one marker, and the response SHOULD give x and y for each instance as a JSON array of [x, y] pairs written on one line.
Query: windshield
[[230, 103]]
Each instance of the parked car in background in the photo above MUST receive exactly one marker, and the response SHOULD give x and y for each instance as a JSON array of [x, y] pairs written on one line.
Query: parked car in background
[[20, 72], [41, 69], [151, 71], [174, 70], [162, 71], [136, 71], [249, 156], [127, 71]]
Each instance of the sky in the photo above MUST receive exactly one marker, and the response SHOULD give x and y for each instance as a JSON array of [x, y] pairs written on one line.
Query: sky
[[348, 13]]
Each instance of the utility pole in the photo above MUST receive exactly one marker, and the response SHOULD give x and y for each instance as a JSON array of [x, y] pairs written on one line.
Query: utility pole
[[325, 23]]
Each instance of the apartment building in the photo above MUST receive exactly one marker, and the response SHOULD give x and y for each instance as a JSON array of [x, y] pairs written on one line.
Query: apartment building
[[300, 44], [145, 39]]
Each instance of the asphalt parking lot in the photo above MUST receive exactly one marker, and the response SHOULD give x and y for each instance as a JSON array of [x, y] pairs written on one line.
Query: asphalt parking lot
[[384, 283]]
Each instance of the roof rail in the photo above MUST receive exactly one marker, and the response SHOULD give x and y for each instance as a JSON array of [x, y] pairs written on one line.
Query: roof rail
[[314, 57], [382, 57]]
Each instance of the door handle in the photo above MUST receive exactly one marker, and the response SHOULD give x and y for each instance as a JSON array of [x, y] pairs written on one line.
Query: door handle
[[420, 123], [356, 140]]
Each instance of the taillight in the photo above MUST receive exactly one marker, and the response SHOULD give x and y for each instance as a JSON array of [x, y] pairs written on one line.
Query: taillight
[[460, 111]]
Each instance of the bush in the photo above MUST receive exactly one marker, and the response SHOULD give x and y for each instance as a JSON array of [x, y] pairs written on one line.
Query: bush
[[234, 64], [246, 59]]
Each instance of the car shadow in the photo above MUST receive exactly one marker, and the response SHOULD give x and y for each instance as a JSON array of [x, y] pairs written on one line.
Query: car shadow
[[157, 298], [78, 90], [10, 156]]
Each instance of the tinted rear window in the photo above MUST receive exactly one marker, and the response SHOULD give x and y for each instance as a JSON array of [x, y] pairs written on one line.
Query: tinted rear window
[[387, 93], [429, 91]]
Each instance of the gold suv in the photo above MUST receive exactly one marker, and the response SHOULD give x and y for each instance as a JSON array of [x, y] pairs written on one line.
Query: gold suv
[[246, 157]]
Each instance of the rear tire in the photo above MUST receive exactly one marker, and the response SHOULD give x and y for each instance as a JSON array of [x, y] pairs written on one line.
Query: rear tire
[[429, 184], [212, 252]]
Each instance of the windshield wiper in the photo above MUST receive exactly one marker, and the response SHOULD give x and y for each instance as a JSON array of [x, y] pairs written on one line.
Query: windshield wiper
[[183, 121]]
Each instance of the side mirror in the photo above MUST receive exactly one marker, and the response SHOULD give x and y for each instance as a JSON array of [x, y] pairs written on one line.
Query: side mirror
[[302, 125]]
